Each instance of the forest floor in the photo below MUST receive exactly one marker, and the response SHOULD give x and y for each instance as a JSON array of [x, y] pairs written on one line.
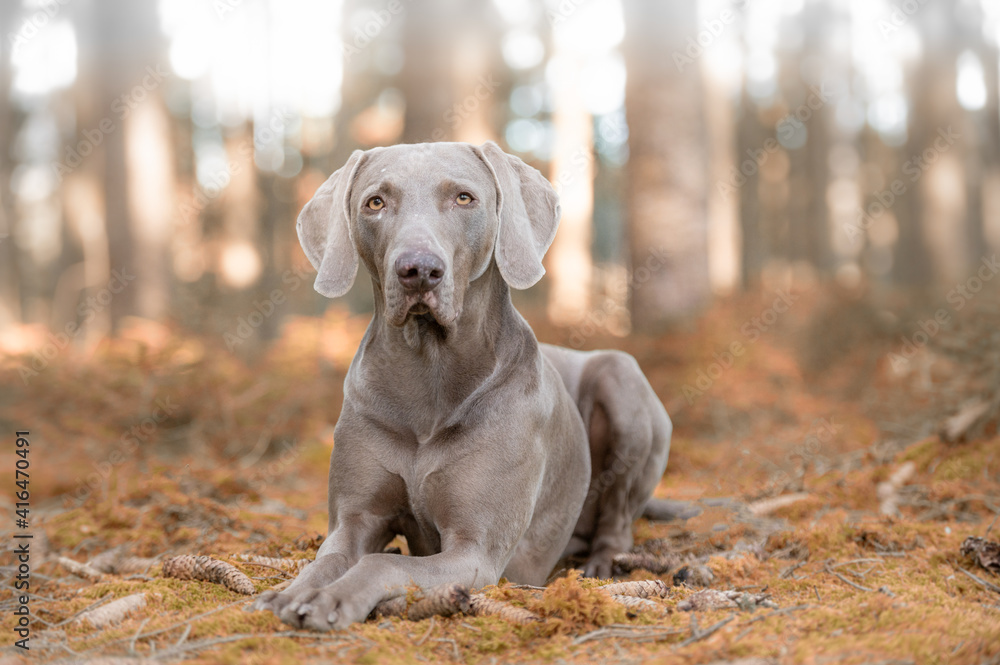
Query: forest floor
[[163, 444]]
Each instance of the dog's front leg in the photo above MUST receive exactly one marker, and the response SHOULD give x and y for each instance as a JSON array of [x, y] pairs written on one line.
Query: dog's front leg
[[378, 577], [480, 505], [354, 536]]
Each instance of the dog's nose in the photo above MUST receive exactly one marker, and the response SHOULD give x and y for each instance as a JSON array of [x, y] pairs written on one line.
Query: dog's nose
[[419, 271]]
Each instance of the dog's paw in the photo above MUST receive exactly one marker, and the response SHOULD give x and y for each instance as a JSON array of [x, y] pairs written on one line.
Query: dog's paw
[[322, 610], [265, 602], [284, 604], [598, 566]]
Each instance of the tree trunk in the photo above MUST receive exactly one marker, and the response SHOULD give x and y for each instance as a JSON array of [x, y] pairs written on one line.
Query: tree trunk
[[569, 259], [121, 50], [667, 169], [10, 294]]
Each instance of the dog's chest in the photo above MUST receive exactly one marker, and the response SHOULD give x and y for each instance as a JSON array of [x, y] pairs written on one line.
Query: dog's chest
[[424, 478]]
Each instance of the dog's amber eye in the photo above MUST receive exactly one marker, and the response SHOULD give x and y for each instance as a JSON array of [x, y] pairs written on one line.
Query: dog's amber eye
[[375, 203], [463, 199]]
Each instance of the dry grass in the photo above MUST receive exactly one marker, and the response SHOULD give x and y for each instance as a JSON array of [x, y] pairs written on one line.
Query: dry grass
[[214, 478]]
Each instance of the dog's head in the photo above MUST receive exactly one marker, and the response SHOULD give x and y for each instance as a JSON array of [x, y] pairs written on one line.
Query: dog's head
[[427, 220]]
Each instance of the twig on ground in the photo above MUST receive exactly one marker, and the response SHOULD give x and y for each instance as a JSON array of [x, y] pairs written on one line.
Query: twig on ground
[[114, 611], [628, 632], [430, 629], [988, 585], [201, 645], [854, 561], [115, 562], [171, 627], [453, 643], [135, 636], [789, 572], [786, 610], [698, 635], [888, 491], [741, 635], [90, 607], [80, 569], [958, 425], [769, 505], [843, 579]]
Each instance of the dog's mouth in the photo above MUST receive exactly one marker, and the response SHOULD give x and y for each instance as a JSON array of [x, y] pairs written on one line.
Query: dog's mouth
[[420, 309], [421, 322], [424, 306]]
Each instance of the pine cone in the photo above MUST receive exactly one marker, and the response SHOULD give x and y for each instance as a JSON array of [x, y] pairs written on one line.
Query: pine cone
[[207, 569], [480, 605], [640, 589]]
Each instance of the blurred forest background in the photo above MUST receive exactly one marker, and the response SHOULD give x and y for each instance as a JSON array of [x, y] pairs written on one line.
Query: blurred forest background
[[154, 155], [719, 162]]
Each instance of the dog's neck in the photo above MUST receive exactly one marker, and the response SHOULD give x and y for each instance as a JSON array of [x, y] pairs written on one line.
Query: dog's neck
[[451, 363]]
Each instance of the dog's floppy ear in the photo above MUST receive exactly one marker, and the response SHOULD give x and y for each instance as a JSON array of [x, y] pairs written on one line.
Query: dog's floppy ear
[[528, 209], [324, 231]]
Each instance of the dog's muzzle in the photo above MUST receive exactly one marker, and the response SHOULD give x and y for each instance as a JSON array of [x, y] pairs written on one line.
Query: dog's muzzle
[[419, 271]]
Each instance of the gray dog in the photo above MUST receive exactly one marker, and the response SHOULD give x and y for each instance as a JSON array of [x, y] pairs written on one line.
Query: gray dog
[[492, 454]]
